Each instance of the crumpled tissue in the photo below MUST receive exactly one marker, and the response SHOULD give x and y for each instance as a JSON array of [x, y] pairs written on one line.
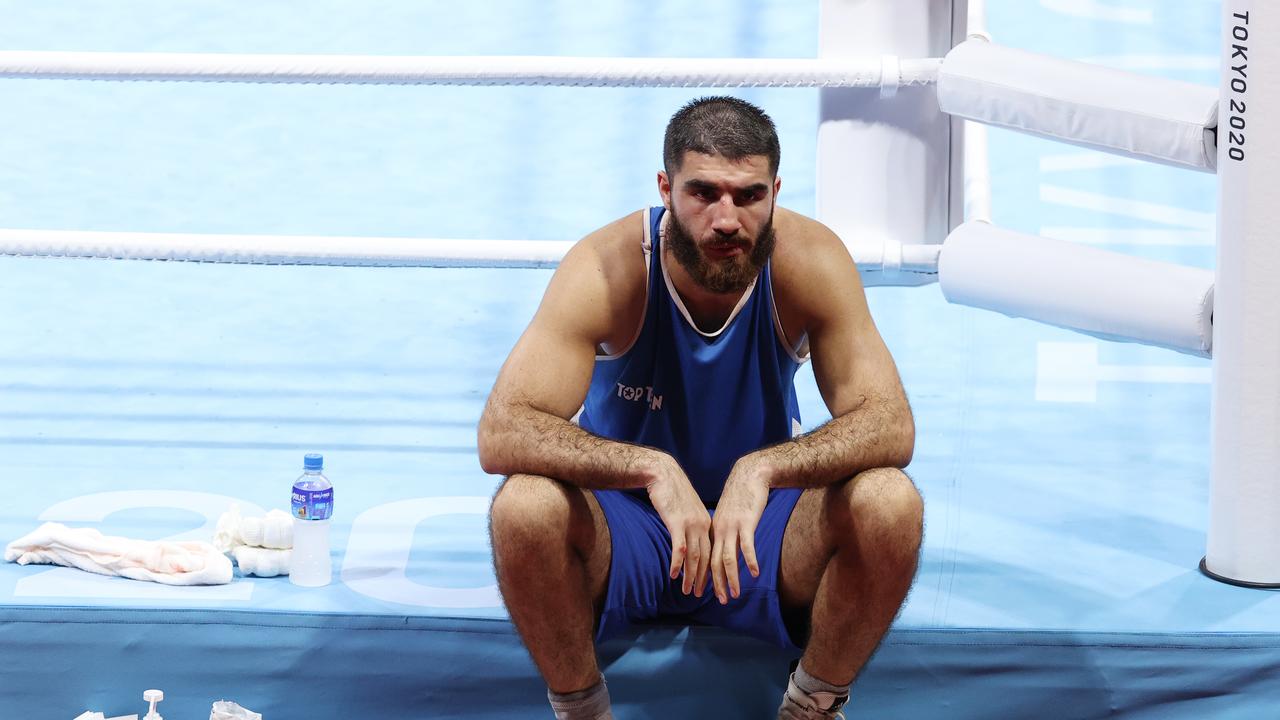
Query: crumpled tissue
[[227, 710]]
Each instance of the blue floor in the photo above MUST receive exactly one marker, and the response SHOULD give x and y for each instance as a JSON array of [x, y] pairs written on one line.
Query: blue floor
[[1066, 479]]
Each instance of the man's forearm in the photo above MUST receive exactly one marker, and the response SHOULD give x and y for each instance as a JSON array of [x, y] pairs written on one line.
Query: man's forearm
[[876, 434], [521, 439]]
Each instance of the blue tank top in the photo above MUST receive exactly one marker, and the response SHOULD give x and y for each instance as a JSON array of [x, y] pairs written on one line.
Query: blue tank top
[[706, 400]]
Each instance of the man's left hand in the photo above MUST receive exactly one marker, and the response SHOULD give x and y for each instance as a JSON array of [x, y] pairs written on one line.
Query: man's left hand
[[734, 526]]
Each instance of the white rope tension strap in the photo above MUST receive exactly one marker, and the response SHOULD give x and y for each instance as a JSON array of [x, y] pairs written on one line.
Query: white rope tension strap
[[368, 251], [500, 70]]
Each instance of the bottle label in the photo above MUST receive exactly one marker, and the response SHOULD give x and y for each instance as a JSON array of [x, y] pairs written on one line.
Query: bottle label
[[312, 504]]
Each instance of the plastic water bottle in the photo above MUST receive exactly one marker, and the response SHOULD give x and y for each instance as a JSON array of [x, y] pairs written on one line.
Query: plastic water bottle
[[312, 506]]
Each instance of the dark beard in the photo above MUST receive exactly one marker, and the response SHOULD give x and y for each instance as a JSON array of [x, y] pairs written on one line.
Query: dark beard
[[730, 275]]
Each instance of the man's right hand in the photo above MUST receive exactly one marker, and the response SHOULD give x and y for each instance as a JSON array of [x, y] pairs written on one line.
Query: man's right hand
[[688, 521]]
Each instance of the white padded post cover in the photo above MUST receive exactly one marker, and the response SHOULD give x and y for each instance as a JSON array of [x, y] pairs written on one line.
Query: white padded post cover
[[1101, 293], [884, 166], [1145, 117], [1244, 499]]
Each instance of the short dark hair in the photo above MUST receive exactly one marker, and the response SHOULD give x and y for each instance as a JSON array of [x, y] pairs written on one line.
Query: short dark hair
[[720, 125]]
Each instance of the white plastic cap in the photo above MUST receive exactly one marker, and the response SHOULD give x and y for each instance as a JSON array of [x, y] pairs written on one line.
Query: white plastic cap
[[153, 697]]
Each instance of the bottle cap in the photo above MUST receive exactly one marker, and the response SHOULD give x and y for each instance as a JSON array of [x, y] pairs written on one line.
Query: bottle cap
[[313, 461], [152, 697]]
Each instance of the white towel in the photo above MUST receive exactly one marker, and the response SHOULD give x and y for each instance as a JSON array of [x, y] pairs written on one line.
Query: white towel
[[166, 562]]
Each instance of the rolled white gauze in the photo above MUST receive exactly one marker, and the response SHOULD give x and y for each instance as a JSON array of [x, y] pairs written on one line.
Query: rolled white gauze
[[1150, 118], [274, 530], [262, 562], [1101, 293]]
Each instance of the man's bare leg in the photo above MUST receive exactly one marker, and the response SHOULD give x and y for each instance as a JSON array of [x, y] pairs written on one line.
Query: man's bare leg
[[850, 553], [551, 550]]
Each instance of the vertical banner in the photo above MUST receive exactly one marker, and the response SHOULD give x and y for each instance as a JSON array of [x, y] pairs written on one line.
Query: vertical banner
[[1244, 506], [885, 159]]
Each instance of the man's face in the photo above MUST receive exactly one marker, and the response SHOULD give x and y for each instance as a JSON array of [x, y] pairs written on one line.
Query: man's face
[[721, 227]]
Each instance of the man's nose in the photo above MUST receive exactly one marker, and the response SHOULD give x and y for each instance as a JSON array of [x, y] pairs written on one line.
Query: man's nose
[[724, 219]]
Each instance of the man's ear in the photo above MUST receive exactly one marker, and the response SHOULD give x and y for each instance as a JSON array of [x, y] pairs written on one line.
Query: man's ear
[[664, 188]]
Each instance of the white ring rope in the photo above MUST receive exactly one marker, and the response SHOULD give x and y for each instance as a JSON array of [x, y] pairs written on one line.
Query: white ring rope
[[478, 70], [356, 251], [284, 249]]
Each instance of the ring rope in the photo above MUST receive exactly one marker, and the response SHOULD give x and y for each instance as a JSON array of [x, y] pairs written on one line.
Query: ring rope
[[353, 251], [284, 249], [475, 70]]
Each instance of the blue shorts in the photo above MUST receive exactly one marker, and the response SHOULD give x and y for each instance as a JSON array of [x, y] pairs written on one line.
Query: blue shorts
[[640, 589]]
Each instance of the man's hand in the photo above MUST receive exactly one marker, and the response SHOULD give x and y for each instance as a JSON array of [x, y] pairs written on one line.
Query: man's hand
[[689, 523], [737, 514]]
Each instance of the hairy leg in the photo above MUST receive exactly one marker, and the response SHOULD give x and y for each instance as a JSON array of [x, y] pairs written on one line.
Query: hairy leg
[[849, 556], [551, 552]]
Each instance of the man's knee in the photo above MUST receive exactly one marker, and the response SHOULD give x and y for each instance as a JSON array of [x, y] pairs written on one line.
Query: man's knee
[[529, 509], [885, 504]]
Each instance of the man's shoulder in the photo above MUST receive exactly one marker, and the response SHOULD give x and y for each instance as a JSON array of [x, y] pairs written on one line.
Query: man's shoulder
[[620, 238], [806, 251], [614, 253], [812, 270], [604, 273], [607, 267]]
